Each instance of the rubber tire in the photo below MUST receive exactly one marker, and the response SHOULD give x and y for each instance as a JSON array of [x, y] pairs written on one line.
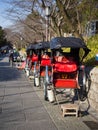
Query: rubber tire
[[82, 82], [45, 92]]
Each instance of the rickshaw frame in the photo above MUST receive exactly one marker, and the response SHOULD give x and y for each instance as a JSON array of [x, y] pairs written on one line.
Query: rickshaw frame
[[75, 44], [44, 80], [30, 50]]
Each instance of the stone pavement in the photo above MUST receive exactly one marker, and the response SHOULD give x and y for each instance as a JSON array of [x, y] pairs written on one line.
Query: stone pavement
[[85, 122], [22, 106]]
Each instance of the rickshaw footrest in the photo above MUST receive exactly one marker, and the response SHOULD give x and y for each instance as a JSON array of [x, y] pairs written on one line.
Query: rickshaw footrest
[[70, 109]]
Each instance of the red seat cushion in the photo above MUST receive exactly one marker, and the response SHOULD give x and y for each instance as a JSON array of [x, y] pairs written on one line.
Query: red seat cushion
[[69, 66], [45, 62], [34, 58]]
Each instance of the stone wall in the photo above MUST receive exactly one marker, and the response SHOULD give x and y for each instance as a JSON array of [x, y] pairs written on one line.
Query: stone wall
[[93, 91]]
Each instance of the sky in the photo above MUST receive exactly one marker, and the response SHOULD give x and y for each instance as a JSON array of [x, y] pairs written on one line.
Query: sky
[[4, 20]]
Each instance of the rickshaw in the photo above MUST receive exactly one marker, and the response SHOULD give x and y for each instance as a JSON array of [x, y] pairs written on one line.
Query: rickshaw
[[31, 60], [68, 71], [44, 69]]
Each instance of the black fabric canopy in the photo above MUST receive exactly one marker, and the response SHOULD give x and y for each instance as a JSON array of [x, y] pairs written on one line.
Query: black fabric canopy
[[31, 47], [40, 45], [71, 42], [43, 45]]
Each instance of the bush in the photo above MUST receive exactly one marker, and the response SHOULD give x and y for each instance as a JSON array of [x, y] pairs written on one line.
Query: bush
[[92, 44]]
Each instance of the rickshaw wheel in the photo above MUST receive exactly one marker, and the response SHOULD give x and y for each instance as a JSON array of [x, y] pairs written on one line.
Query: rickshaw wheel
[[45, 91], [41, 80], [82, 82], [36, 81], [88, 83]]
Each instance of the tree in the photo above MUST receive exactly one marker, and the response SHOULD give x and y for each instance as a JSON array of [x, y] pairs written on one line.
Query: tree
[[2, 37], [34, 27], [66, 16]]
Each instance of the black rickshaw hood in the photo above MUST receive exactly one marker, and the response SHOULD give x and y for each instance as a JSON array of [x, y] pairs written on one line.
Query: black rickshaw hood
[[31, 47], [71, 42], [39, 45], [43, 45]]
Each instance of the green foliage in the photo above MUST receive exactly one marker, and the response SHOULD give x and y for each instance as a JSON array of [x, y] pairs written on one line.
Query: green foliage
[[2, 37], [76, 14], [92, 44]]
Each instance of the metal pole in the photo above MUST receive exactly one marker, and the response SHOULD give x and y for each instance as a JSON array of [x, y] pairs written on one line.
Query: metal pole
[[46, 28], [47, 22]]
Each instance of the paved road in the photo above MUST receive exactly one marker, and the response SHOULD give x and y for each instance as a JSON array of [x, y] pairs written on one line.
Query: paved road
[[22, 106]]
